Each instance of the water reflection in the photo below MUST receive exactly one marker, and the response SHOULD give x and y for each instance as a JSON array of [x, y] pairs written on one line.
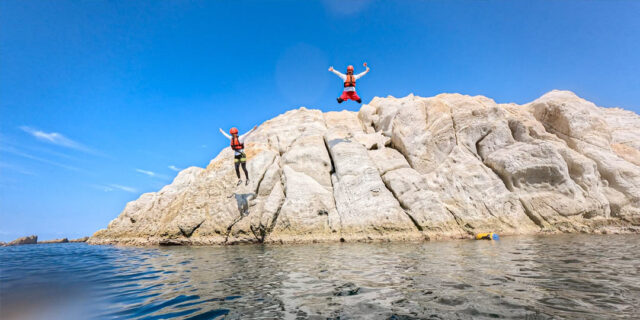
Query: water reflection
[[575, 276]]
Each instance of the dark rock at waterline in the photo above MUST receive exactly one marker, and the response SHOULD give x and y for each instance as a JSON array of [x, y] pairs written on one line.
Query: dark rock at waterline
[[63, 240], [33, 239], [174, 242], [83, 239]]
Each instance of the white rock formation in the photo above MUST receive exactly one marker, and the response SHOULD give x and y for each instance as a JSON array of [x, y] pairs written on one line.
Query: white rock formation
[[407, 169]]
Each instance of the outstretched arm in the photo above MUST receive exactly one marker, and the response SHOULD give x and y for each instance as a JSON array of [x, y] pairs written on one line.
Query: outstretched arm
[[342, 76], [225, 134], [359, 75], [241, 138]]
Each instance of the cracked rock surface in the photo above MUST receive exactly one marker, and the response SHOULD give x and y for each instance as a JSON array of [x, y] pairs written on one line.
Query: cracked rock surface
[[407, 168]]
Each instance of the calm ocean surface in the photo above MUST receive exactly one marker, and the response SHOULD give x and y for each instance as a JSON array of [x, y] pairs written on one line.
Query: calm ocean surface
[[564, 276]]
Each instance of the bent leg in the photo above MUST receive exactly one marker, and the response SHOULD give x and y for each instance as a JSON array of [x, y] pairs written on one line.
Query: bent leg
[[354, 96], [344, 96]]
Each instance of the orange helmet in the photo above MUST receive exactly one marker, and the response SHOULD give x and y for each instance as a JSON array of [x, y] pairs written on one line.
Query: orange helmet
[[233, 130], [350, 68]]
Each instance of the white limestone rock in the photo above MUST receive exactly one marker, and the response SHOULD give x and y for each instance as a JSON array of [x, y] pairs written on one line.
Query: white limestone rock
[[585, 129], [406, 168], [367, 209]]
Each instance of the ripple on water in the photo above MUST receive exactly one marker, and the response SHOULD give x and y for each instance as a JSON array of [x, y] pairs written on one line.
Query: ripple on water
[[517, 277]]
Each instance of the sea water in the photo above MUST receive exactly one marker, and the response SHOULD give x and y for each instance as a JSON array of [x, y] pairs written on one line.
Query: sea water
[[532, 277]]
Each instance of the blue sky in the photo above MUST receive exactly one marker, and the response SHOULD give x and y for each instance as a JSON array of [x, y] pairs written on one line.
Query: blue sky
[[101, 101]]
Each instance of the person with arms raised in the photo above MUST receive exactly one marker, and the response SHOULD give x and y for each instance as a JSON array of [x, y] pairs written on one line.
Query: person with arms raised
[[240, 158], [349, 91]]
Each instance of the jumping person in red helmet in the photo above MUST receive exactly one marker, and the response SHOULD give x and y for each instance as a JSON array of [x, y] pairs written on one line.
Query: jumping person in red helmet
[[237, 144], [349, 79]]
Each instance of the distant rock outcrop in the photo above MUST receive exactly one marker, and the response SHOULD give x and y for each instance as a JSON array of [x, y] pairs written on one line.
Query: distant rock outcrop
[[63, 240], [406, 169], [83, 239], [23, 240]]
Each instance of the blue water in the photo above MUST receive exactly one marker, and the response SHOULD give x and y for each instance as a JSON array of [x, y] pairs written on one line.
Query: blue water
[[566, 276]]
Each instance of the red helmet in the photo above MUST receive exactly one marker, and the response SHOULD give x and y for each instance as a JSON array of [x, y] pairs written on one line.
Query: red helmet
[[350, 68], [233, 130]]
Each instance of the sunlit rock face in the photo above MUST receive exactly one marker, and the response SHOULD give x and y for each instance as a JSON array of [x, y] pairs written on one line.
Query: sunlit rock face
[[407, 168]]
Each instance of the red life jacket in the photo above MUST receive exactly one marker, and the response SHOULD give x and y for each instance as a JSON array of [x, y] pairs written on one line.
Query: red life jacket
[[350, 82], [235, 144]]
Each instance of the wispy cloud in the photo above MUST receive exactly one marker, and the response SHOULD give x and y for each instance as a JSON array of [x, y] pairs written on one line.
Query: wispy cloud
[[113, 187], [17, 152], [124, 188], [147, 172], [4, 141], [174, 168], [59, 139], [54, 138], [152, 174]]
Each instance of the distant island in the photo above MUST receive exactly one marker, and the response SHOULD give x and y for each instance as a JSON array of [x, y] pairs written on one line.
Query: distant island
[[407, 168], [34, 240]]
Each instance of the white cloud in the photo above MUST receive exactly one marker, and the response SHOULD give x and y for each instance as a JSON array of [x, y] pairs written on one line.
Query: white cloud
[[113, 187], [123, 188], [174, 168], [54, 138], [147, 172], [152, 174]]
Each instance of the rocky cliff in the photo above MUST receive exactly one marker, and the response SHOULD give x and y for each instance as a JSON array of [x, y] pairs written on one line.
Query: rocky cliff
[[407, 168]]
